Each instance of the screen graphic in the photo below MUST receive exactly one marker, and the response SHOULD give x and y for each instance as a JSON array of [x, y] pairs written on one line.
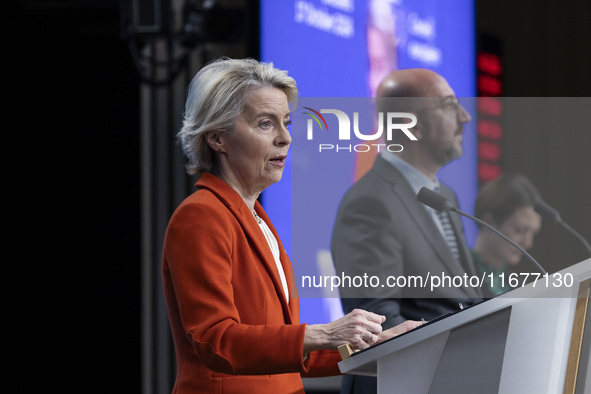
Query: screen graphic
[[342, 49]]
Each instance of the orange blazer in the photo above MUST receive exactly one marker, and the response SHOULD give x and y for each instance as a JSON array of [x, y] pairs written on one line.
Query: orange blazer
[[233, 330]]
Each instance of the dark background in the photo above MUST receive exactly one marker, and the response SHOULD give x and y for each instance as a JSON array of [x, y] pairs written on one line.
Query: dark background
[[73, 98]]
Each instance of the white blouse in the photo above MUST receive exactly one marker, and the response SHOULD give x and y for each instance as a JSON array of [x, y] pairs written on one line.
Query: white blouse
[[275, 250]]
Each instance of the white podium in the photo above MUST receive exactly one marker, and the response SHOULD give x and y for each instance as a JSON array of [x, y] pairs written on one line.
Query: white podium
[[534, 339]]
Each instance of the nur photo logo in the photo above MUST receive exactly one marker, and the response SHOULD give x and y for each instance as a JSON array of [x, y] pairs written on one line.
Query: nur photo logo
[[387, 123]]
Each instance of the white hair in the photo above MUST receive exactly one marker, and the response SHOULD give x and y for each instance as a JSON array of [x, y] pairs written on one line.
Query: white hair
[[216, 97]]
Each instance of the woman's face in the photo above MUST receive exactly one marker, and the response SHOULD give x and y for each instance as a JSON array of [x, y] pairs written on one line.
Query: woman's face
[[520, 227], [255, 150]]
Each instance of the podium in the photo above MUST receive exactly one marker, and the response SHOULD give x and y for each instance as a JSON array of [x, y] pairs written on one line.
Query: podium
[[534, 339]]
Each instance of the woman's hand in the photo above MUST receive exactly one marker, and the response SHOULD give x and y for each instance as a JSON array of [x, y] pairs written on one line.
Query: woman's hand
[[397, 330], [359, 328]]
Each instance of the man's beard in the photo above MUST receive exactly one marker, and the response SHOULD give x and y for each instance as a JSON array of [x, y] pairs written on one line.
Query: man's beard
[[444, 155]]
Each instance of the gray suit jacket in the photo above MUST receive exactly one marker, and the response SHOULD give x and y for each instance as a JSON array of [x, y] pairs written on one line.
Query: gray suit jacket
[[382, 230]]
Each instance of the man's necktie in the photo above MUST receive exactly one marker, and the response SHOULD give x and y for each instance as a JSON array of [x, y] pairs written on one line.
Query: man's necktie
[[450, 237]]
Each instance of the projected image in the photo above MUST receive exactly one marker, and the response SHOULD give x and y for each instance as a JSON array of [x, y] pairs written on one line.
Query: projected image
[[381, 42], [343, 48]]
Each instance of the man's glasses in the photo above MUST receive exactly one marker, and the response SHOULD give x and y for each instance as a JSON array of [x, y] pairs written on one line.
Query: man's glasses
[[443, 103]]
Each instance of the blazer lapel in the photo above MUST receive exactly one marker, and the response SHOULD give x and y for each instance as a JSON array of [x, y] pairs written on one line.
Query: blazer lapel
[[421, 217], [256, 236], [432, 234], [253, 232], [285, 263]]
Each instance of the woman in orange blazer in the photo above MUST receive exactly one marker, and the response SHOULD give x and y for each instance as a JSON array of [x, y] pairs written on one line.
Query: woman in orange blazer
[[229, 285]]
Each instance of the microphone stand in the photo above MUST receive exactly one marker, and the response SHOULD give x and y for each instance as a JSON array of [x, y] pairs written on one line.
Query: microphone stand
[[551, 214], [576, 234], [459, 212], [440, 203]]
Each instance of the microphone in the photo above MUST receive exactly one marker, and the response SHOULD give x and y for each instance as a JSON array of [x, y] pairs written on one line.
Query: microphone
[[552, 215], [547, 212], [440, 203]]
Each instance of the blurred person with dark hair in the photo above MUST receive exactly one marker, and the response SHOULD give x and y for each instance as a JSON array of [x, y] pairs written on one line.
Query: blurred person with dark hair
[[506, 203]]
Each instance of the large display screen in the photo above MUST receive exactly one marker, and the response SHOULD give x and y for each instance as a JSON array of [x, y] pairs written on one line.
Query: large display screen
[[343, 48]]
